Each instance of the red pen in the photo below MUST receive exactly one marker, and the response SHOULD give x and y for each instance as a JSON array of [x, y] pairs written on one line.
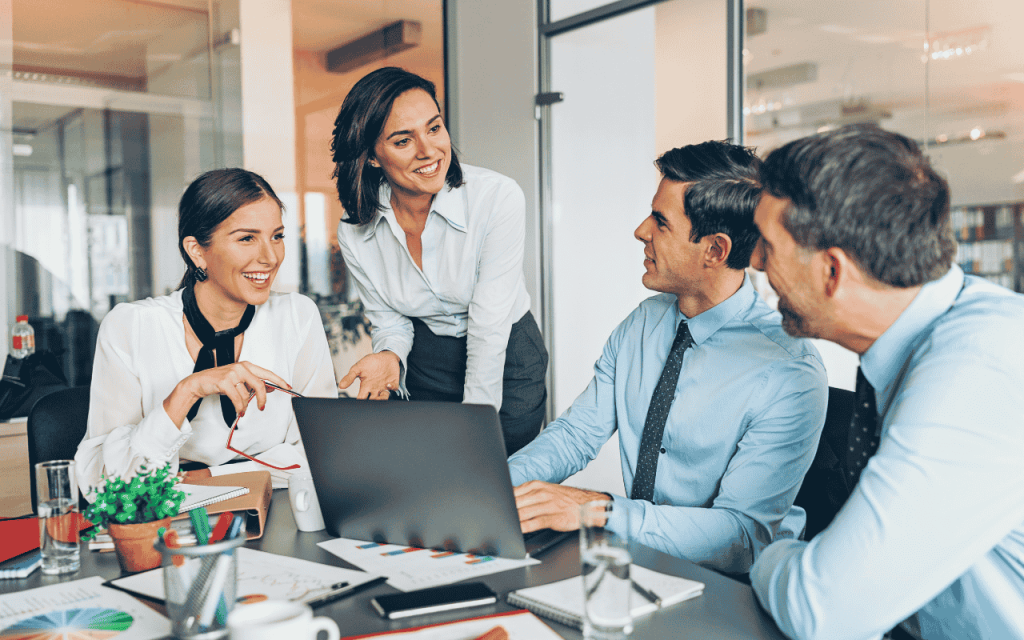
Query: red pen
[[222, 526]]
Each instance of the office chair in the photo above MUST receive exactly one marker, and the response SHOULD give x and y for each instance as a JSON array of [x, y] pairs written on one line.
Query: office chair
[[56, 424], [824, 489]]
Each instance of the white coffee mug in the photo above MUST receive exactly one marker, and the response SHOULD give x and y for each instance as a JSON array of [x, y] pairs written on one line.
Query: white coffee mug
[[277, 619], [305, 506]]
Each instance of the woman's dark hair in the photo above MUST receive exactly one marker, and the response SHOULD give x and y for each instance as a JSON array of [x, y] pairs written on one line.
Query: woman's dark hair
[[871, 193], [209, 201], [359, 123], [722, 195]]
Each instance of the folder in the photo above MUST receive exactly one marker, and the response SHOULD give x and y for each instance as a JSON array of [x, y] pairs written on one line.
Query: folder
[[255, 503]]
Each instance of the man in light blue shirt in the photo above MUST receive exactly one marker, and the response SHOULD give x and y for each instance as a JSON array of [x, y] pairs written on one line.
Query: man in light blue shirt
[[857, 242], [744, 416]]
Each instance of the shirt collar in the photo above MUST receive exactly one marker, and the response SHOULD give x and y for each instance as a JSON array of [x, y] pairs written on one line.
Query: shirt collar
[[448, 204], [704, 325], [882, 362]]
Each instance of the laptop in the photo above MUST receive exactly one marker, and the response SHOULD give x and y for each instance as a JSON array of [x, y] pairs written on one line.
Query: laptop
[[424, 474]]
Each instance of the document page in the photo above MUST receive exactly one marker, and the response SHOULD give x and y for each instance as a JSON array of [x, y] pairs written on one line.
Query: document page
[[411, 568]]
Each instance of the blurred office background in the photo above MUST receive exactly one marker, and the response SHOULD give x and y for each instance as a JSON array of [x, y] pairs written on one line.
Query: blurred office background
[[109, 108]]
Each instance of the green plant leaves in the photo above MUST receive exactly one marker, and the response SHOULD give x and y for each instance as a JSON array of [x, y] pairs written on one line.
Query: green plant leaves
[[149, 496]]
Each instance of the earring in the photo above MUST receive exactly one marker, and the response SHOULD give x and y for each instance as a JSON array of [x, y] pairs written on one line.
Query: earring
[[373, 164], [200, 274]]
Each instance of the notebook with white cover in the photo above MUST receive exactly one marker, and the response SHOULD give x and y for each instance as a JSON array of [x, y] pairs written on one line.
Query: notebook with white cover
[[563, 601], [197, 495]]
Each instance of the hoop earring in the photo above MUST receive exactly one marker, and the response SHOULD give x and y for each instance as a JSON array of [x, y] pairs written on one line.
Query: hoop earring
[[200, 274]]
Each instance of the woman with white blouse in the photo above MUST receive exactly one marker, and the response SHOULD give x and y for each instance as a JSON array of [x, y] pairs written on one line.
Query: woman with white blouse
[[436, 252], [172, 373]]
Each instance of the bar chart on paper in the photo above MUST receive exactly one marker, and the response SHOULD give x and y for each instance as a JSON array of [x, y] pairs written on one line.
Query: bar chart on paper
[[411, 568]]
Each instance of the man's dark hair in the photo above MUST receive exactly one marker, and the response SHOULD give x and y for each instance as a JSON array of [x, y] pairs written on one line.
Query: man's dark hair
[[360, 121], [871, 193], [209, 201], [722, 195]]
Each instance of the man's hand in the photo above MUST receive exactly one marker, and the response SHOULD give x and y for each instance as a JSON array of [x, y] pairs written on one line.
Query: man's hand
[[543, 505]]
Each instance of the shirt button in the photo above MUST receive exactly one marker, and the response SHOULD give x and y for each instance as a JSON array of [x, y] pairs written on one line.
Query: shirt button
[[663, 449]]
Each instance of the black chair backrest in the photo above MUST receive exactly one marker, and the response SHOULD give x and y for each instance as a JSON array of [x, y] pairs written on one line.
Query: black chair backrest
[[56, 425], [824, 490]]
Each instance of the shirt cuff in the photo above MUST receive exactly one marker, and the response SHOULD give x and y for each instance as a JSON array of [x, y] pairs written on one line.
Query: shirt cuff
[[624, 512], [769, 576], [157, 438]]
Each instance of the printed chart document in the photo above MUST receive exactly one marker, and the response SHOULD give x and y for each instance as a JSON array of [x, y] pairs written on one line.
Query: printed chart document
[[411, 568], [261, 576], [562, 601], [519, 625], [78, 609]]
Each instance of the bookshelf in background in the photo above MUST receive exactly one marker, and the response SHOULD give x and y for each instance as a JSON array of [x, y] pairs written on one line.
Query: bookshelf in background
[[991, 242]]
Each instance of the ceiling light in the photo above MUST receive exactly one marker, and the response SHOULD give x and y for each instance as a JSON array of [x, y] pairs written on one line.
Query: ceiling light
[[956, 44], [977, 133]]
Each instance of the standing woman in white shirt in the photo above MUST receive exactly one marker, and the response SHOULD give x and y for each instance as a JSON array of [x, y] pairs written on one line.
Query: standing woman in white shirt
[[436, 251], [172, 373]]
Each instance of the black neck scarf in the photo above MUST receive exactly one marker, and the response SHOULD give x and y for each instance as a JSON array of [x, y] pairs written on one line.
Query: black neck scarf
[[221, 341]]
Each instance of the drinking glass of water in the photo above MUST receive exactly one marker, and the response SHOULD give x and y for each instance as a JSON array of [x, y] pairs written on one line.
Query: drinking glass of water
[[605, 564], [57, 489]]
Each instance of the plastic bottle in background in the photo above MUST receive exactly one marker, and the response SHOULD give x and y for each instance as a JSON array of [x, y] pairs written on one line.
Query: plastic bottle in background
[[23, 338]]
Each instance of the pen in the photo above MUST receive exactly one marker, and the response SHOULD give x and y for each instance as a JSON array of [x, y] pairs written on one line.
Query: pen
[[236, 527], [344, 592], [650, 595], [221, 528], [200, 524]]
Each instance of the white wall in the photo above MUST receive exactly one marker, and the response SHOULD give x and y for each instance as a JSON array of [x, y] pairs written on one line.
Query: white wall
[[492, 75]]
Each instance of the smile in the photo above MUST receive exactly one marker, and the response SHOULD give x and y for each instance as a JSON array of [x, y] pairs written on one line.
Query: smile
[[428, 170], [257, 277]]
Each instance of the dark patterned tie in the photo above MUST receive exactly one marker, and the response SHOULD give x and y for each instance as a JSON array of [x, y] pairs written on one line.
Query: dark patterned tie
[[657, 415], [863, 439]]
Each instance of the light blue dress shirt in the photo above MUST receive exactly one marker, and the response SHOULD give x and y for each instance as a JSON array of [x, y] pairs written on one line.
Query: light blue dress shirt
[[741, 433], [936, 523], [471, 283]]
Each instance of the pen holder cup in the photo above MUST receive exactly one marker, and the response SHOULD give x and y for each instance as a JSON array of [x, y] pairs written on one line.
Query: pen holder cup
[[200, 585]]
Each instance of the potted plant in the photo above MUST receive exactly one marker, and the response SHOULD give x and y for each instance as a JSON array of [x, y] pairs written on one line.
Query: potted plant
[[132, 511]]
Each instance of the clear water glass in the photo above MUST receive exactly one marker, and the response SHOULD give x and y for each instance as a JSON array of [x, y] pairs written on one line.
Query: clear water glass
[[605, 561], [57, 491]]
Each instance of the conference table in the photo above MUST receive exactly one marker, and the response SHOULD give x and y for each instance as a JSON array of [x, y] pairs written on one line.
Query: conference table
[[728, 609]]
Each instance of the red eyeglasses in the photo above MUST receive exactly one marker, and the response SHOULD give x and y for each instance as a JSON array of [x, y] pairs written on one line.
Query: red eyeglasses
[[231, 433]]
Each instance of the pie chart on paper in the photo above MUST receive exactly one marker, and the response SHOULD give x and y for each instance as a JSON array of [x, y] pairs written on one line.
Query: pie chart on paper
[[70, 624]]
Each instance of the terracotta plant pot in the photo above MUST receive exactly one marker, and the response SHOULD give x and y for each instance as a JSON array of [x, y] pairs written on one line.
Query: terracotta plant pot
[[134, 544]]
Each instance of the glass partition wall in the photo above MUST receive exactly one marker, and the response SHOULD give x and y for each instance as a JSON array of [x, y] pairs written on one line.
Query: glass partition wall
[[638, 77], [104, 125]]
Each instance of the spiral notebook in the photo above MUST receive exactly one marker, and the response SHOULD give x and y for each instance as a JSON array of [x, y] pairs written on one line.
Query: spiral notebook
[[563, 601], [197, 495]]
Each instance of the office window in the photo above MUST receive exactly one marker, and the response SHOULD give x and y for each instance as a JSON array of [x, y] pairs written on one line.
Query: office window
[[944, 73]]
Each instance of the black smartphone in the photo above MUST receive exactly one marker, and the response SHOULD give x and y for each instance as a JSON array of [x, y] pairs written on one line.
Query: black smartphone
[[414, 603]]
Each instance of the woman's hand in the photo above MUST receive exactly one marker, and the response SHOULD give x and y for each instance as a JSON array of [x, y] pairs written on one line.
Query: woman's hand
[[234, 381], [378, 374]]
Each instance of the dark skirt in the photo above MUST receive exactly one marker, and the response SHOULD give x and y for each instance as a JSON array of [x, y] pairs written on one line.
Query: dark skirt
[[437, 371]]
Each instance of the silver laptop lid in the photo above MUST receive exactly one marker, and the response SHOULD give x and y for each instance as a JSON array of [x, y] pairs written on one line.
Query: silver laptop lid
[[423, 474]]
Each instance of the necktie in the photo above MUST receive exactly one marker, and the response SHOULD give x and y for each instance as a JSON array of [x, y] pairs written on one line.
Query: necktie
[[863, 439], [657, 415], [221, 341]]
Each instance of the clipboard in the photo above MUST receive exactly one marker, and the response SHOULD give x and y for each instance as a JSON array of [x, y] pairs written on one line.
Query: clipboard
[[255, 504]]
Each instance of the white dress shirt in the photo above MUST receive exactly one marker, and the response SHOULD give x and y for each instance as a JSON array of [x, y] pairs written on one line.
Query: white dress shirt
[[141, 355], [471, 283], [935, 524]]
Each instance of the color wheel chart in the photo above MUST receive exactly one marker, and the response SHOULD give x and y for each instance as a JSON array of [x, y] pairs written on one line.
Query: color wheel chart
[[78, 610], [70, 624], [410, 568]]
